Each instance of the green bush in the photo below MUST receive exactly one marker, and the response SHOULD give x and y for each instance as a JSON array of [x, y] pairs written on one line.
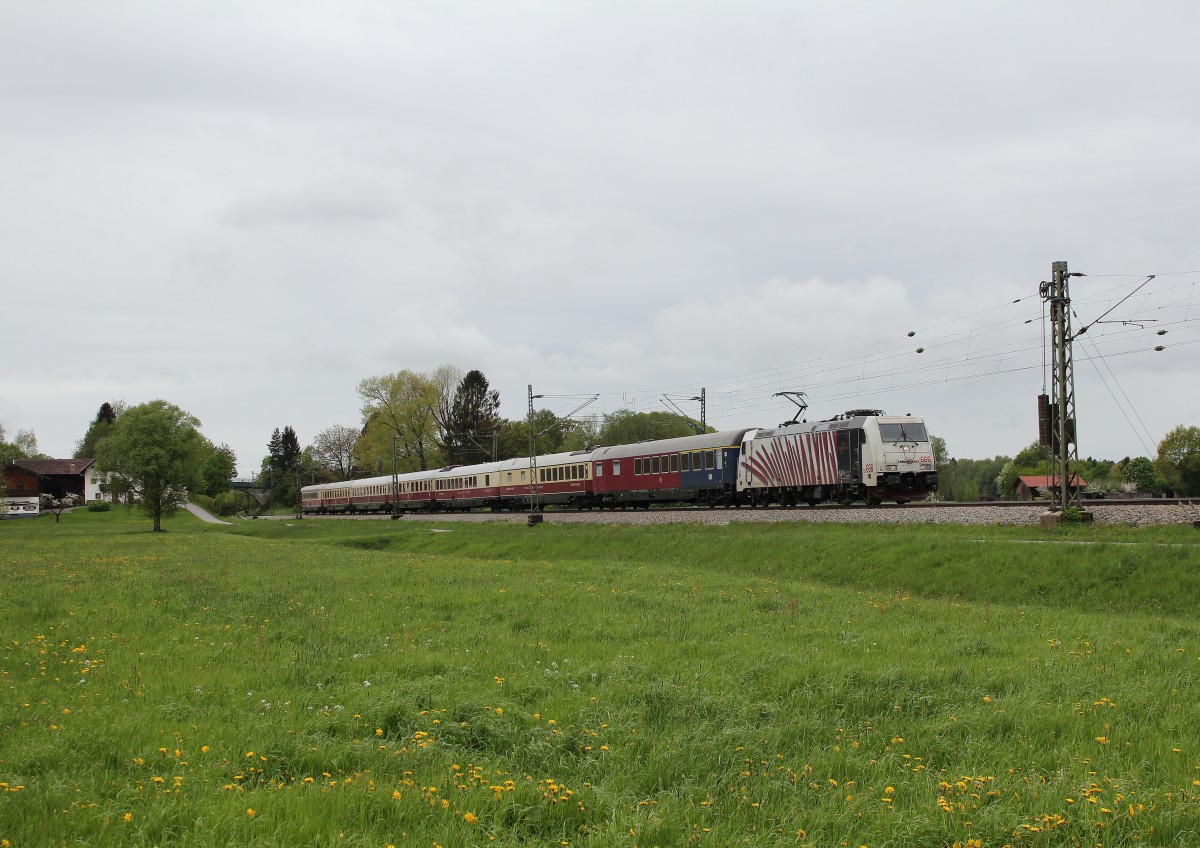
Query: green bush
[[226, 503], [203, 501], [99, 506]]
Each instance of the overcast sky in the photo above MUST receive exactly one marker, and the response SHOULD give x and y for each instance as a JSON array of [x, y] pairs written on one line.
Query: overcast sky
[[246, 208]]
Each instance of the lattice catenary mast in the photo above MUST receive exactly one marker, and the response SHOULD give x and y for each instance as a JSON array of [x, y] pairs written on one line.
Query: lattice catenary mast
[[1056, 413]]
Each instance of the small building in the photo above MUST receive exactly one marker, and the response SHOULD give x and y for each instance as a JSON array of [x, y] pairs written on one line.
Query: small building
[[32, 478], [1029, 487]]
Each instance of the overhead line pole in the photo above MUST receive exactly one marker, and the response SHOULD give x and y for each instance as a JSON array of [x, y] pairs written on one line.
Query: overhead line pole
[[534, 516], [1062, 419]]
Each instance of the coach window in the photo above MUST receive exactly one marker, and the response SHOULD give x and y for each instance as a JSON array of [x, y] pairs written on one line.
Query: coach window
[[709, 460], [720, 456], [685, 462], [616, 468], [654, 465], [637, 465], [674, 462], [600, 469]]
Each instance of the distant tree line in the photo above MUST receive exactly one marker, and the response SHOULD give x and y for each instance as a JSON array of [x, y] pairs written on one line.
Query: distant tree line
[[1176, 470], [154, 455], [424, 420]]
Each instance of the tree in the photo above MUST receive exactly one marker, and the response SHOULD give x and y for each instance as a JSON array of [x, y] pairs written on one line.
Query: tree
[[407, 404], [1179, 459], [445, 380], [940, 454], [1141, 473], [472, 421], [624, 427], [219, 469], [57, 505], [100, 427], [549, 433], [333, 450], [281, 466], [155, 452]]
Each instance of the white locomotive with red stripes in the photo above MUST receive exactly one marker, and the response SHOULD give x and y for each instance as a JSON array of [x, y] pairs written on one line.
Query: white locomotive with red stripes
[[862, 455]]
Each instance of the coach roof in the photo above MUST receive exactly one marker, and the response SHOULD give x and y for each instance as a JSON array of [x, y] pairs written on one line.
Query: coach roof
[[704, 441]]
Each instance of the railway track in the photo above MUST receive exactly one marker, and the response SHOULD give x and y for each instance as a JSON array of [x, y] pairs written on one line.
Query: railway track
[[1136, 512]]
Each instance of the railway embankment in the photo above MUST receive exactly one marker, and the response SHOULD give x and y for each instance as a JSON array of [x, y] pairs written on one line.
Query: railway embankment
[[1134, 515]]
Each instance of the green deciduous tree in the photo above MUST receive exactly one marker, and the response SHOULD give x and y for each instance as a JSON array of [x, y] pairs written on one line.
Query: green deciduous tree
[[219, 469], [155, 452], [1179, 459], [1142, 474], [625, 427], [405, 403]]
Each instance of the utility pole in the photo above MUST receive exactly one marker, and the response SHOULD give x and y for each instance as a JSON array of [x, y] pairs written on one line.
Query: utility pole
[[395, 479], [1062, 408], [534, 516]]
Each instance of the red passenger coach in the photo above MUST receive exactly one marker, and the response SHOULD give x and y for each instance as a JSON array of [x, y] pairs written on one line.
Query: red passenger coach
[[699, 468]]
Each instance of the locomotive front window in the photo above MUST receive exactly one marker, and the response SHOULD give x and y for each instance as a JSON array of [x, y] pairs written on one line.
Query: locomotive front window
[[908, 431]]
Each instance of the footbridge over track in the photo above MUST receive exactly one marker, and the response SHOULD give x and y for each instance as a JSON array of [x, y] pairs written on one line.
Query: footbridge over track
[[261, 494]]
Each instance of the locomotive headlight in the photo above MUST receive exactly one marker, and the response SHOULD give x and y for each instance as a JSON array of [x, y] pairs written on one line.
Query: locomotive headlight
[[891, 467], [926, 466]]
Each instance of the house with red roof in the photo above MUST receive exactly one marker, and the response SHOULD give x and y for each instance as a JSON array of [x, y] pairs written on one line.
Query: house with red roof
[[1028, 487], [32, 478]]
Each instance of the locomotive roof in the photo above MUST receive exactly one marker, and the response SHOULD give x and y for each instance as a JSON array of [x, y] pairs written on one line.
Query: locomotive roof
[[704, 441], [839, 423]]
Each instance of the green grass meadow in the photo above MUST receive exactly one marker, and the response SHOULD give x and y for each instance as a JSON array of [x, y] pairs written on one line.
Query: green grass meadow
[[328, 683]]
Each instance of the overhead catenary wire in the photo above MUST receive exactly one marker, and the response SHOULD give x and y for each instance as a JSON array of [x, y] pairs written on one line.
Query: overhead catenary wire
[[888, 366]]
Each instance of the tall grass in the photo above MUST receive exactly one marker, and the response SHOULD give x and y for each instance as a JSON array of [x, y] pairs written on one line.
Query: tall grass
[[345, 684]]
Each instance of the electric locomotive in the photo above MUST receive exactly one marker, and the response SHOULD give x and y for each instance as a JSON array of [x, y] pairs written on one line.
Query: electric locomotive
[[861, 455]]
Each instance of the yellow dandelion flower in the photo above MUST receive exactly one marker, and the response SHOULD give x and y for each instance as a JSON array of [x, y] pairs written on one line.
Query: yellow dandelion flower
[[128, 817], [250, 812], [470, 818]]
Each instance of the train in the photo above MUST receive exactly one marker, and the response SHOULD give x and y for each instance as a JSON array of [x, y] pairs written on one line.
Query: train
[[861, 455]]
